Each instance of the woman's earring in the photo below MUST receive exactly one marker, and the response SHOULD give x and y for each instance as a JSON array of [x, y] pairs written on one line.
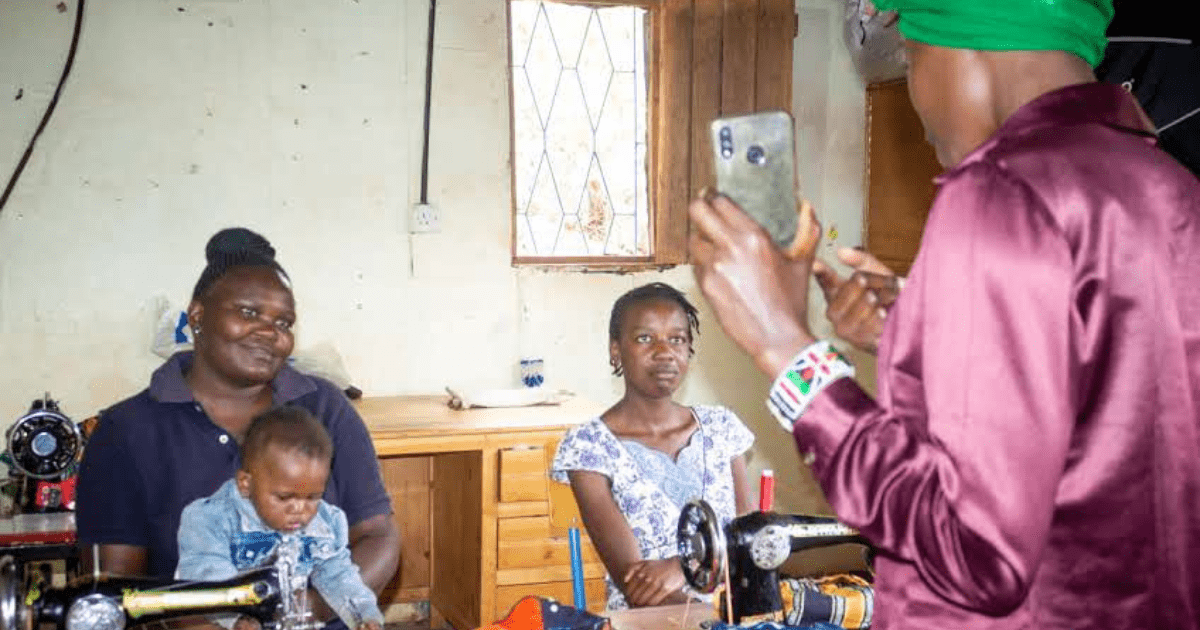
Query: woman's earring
[[195, 331]]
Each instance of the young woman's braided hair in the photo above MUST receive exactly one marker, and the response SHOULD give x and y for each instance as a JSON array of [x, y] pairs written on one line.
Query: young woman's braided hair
[[649, 293]]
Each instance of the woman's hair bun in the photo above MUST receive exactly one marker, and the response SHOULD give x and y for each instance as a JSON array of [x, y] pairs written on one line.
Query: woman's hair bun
[[237, 243], [235, 247]]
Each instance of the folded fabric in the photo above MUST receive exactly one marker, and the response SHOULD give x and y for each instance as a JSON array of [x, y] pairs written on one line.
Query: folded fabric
[[771, 625], [842, 601], [519, 397]]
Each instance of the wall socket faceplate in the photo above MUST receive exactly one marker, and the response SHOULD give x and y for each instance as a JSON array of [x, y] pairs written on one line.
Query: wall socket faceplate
[[424, 218]]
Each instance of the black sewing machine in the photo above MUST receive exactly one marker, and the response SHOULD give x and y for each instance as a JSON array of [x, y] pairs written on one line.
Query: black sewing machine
[[274, 595], [751, 548], [42, 448]]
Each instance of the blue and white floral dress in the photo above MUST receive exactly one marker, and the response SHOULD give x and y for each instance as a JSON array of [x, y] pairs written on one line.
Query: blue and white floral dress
[[649, 487]]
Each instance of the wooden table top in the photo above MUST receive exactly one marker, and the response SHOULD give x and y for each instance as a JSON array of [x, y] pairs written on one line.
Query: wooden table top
[[425, 416], [676, 617]]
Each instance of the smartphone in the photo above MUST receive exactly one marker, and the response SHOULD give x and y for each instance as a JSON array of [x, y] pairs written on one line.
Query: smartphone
[[755, 164]]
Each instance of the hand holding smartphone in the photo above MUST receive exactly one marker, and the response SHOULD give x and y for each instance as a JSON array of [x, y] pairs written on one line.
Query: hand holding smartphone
[[754, 162], [759, 292]]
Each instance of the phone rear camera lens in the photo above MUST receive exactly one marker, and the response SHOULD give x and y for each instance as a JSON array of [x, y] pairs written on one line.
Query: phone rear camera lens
[[756, 155], [726, 133]]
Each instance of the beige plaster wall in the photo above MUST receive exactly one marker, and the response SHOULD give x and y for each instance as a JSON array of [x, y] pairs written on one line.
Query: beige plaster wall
[[302, 119]]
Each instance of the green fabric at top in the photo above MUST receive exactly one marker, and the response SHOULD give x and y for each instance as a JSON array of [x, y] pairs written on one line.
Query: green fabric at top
[[1075, 26]]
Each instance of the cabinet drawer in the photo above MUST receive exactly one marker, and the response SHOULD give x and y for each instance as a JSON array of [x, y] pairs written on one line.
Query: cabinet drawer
[[543, 552], [537, 575], [530, 551], [508, 596], [530, 528], [523, 474]]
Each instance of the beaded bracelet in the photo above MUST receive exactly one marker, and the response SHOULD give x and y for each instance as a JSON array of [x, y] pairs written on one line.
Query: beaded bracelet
[[811, 371]]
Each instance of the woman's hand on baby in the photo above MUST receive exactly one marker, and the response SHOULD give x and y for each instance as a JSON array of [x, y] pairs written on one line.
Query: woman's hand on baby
[[651, 582]]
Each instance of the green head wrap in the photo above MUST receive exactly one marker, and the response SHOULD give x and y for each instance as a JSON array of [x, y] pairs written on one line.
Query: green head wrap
[[1074, 26]]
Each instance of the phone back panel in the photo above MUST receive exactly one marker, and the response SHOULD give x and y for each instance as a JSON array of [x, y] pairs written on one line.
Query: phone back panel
[[754, 162]]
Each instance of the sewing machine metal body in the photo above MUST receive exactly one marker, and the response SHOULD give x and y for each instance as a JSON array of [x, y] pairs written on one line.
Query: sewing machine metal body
[[274, 595], [751, 547]]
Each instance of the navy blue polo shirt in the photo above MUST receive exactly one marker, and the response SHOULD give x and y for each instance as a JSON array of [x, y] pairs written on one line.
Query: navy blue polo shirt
[[156, 452]]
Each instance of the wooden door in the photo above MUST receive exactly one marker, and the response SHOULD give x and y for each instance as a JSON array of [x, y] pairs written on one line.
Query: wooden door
[[899, 176]]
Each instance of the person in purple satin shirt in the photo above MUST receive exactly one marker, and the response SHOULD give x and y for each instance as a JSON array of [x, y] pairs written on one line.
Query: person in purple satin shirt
[[1032, 459]]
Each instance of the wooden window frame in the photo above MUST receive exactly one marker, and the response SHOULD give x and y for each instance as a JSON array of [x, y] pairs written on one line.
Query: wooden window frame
[[698, 51]]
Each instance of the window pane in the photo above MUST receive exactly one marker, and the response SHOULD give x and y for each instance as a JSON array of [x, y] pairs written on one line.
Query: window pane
[[579, 130]]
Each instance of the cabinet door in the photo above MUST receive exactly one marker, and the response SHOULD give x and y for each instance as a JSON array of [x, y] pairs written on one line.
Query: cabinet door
[[899, 176], [523, 474]]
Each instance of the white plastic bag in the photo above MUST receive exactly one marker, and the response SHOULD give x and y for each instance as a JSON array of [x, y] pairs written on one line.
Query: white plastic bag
[[172, 333]]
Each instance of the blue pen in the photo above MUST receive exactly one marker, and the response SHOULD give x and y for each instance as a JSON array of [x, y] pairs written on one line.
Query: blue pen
[[577, 569]]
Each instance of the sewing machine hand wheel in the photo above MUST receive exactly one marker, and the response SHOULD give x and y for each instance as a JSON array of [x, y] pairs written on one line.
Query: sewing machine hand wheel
[[702, 552], [44, 443], [12, 604]]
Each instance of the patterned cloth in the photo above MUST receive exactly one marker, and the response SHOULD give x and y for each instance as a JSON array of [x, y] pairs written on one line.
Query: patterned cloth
[[845, 601], [770, 625], [221, 536], [649, 487], [842, 601]]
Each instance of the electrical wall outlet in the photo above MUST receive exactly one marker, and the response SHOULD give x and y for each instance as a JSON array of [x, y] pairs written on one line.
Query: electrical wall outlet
[[424, 218]]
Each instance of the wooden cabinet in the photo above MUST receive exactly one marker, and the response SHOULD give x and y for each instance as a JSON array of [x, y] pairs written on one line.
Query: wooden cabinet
[[900, 167], [533, 556], [473, 502]]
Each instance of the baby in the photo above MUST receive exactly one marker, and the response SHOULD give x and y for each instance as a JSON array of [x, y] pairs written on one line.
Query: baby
[[275, 502]]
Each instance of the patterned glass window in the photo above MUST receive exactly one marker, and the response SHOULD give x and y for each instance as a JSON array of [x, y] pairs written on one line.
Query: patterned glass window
[[579, 93]]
